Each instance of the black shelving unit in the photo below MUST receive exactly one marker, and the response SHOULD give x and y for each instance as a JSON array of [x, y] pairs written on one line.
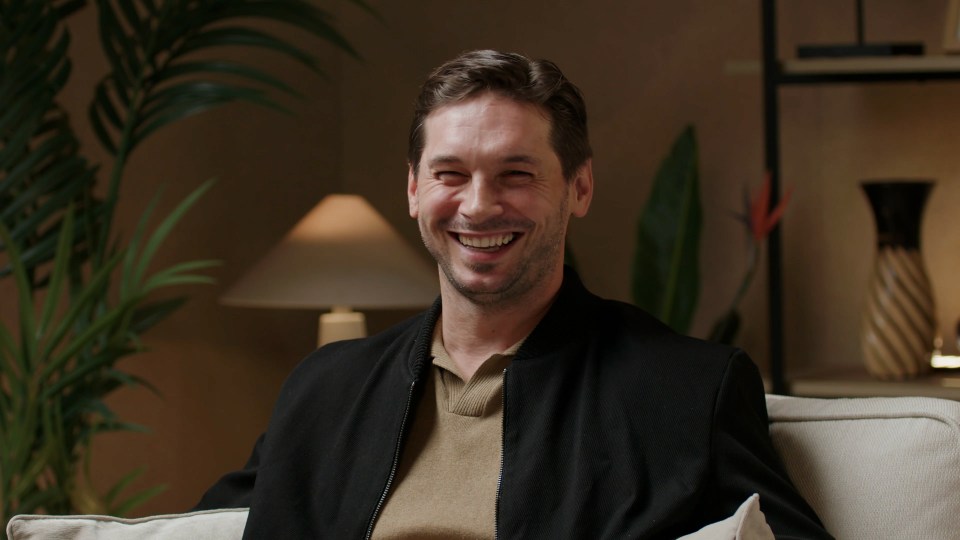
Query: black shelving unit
[[777, 73]]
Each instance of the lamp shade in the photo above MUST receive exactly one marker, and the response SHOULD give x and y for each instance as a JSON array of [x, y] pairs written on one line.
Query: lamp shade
[[342, 253]]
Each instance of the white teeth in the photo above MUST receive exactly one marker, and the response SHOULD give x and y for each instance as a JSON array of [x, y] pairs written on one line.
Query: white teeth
[[486, 241]]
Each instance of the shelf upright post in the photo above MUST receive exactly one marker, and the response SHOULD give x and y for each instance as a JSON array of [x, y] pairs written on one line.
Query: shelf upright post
[[771, 143]]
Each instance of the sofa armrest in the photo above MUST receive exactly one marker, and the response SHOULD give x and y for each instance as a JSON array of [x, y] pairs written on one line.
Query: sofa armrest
[[224, 524], [873, 467]]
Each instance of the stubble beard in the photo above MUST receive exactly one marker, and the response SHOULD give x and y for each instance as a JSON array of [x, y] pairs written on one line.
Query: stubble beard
[[532, 269]]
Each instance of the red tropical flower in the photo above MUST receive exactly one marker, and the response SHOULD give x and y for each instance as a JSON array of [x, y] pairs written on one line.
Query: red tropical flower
[[762, 220]]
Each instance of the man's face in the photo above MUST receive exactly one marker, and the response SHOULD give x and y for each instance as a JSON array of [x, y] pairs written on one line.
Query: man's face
[[491, 201]]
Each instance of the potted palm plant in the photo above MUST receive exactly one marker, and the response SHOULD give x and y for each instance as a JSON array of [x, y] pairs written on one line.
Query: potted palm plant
[[84, 295]]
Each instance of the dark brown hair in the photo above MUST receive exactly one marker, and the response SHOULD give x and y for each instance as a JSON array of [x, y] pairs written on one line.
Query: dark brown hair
[[517, 77]]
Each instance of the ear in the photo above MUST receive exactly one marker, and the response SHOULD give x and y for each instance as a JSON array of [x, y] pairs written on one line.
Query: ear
[[581, 190], [412, 192]]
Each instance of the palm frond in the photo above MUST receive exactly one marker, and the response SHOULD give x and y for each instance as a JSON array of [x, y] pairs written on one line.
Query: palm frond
[[85, 295], [41, 172]]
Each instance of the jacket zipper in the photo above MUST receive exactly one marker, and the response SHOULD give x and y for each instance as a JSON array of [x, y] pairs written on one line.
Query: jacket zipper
[[396, 463], [503, 447]]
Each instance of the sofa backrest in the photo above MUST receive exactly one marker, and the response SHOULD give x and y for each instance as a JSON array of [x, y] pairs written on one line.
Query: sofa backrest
[[873, 467]]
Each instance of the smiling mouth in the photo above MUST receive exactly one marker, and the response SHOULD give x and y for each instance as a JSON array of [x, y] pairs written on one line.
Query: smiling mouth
[[491, 242]]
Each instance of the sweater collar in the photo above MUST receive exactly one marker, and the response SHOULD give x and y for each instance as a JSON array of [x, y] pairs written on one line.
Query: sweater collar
[[562, 323]]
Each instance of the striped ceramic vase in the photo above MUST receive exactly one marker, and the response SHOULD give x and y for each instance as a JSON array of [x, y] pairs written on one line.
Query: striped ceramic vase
[[899, 321]]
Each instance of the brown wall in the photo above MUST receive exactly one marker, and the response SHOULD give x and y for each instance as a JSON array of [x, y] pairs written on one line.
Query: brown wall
[[647, 68]]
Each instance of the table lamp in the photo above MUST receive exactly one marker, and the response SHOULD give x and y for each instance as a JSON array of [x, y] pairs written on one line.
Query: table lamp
[[341, 255]]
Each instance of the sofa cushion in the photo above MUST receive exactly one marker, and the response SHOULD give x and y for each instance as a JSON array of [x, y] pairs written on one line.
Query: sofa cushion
[[204, 525], [873, 467]]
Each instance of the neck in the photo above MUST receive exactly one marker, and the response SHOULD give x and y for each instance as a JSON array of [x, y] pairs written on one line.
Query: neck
[[473, 332]]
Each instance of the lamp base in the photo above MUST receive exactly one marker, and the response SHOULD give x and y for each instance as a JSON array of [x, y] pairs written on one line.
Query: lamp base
[[341, 323]]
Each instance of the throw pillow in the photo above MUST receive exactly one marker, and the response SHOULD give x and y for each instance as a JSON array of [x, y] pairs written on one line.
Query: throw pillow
[[747, 523]]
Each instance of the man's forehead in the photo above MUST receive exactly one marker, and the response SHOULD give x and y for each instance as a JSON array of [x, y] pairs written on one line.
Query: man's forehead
[[488, 98]]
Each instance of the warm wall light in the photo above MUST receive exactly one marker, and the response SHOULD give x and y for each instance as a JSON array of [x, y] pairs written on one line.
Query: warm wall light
[[341, 255]]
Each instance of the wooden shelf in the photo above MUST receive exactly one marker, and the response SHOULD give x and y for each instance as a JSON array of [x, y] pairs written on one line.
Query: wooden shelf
[[778, 73], [869, 69], [857, 383]]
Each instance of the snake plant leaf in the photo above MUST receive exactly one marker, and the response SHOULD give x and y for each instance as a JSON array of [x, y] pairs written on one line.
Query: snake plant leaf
[[666, 276]]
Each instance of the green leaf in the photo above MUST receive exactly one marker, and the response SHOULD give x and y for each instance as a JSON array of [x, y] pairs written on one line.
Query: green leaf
[[120, 49], [8, 354], [136, 500], [235, 36], [221, 67], [129, 11], [102, 359], [60, 266], [128, 379], [183, 102], [89, 295], [666, 277], [145, 317], [24, 298], [128, 283], [161, 232], [55, 375], [175, 276], [111, 495]]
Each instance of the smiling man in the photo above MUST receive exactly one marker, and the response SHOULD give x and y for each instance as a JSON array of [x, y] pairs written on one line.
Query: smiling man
[[520, 405]]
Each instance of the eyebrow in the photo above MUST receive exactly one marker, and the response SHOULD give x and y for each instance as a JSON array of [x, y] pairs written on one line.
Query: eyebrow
[[522, 158], [451, 160], [444, 160]]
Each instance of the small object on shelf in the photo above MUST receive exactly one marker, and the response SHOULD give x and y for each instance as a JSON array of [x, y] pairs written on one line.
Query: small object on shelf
[[898, 327], [860, 48], [951, 34]]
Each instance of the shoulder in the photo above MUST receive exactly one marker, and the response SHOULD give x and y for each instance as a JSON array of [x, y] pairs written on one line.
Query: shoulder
[[637, 350], [351, 362], [627, 328]]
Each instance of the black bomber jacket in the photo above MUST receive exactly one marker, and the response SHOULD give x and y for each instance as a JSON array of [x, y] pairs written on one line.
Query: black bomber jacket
[[613, 427]]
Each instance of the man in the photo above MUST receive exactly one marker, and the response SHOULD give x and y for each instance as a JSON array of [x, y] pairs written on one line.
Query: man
[[519, 405]]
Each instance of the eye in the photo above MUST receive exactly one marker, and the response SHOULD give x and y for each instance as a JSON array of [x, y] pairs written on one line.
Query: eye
[[450, 177], [517, 176]]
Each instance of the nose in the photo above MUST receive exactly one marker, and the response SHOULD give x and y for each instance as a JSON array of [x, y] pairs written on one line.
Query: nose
[[481, 200]]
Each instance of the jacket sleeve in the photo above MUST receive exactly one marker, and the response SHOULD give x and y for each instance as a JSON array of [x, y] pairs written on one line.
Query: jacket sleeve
[[745, 461], [235, 489]]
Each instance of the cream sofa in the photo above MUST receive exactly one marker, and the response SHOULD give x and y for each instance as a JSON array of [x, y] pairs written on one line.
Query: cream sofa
[[872, 468]]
